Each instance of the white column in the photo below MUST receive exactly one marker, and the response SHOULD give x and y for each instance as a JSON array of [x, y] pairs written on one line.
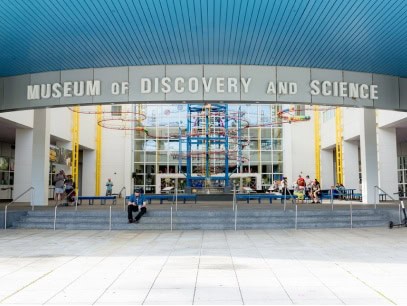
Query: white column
[[327, 169], [368, 156], [40, 156], [88, 173], [387, 146], [350, 157], [287, 154], [127, 165], [23, 163]]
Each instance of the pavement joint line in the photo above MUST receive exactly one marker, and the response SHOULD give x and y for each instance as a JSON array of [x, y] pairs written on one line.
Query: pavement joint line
[[39, 278], [234, 268], [155, 279], [34, 281], [367, 285], [267, 263], [311, 272], [197, 271], [90, 268], [138, 256]]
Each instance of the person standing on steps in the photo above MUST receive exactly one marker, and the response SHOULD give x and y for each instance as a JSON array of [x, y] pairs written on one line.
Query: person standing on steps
[[109, 187], [59, 184], [136, 203]]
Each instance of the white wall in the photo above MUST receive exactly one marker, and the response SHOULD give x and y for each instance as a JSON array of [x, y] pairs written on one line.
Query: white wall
[[60, 123], [387, 145], [351, 165], [328, 136], [23, 118], [116, 155], [351, 126], [88, 172], [303, 147], [23, 163], [391, 118], [327, 169]]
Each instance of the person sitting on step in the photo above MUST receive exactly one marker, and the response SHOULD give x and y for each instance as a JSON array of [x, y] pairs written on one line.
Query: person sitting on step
[[136, 203]]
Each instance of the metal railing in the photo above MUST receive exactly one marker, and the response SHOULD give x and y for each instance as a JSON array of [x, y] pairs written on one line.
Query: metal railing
[[384, 192], [15, 200], [110, 216], [124, 198], [57, 204], [236, 216], [234, 197], [171, 217], [387, 195], [291, 196], [340, 193]]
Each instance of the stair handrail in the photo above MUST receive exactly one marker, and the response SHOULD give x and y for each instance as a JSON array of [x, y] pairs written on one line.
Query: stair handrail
[[377, 187], [120, 192], [340, 192], [110, 208], [388, 195], [291, 195], [57, 204], [124, 198], [7, 205]]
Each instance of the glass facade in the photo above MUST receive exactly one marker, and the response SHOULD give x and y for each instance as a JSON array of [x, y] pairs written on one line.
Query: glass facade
[[402, 175], [158, 149]]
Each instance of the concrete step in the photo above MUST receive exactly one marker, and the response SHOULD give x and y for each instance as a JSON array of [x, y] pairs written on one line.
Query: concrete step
[[159, 219]]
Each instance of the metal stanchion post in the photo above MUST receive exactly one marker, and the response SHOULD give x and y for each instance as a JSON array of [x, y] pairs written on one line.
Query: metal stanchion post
[[32, 199], [55, 215], [110, 218], [176, 194], [351, 215], [296, 215], [332, 196], [5, 217], [234, 197], [400, 212], [285, 197], [375, 191], [171, 218], [236, 217]]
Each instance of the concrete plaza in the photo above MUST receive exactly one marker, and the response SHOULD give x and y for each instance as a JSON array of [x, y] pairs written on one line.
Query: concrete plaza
[[322, 266]]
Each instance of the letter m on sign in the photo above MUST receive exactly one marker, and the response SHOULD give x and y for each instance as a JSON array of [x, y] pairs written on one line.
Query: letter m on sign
[[33, 92]]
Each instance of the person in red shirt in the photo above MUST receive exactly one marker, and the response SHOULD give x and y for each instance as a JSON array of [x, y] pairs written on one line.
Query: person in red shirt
[[300, 183]]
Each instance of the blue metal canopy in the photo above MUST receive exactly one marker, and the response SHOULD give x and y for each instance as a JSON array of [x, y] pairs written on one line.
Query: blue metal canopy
[[358, 35]]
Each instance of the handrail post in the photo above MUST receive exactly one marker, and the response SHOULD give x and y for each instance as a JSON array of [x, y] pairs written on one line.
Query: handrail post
[[5, 217], [124, 198], [296, 215], [351, 215], [400, 212], [55, 215], [375, 191], [110, 218], [332, 197], [285, 197], [171, 218], [32, 199], [234, 197], [6, 207], [236, 217], [176, 194]]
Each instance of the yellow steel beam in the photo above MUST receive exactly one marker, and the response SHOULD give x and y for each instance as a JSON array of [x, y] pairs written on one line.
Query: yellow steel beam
[[339, 146], [98, 150], [317, 137], [75, 147]]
